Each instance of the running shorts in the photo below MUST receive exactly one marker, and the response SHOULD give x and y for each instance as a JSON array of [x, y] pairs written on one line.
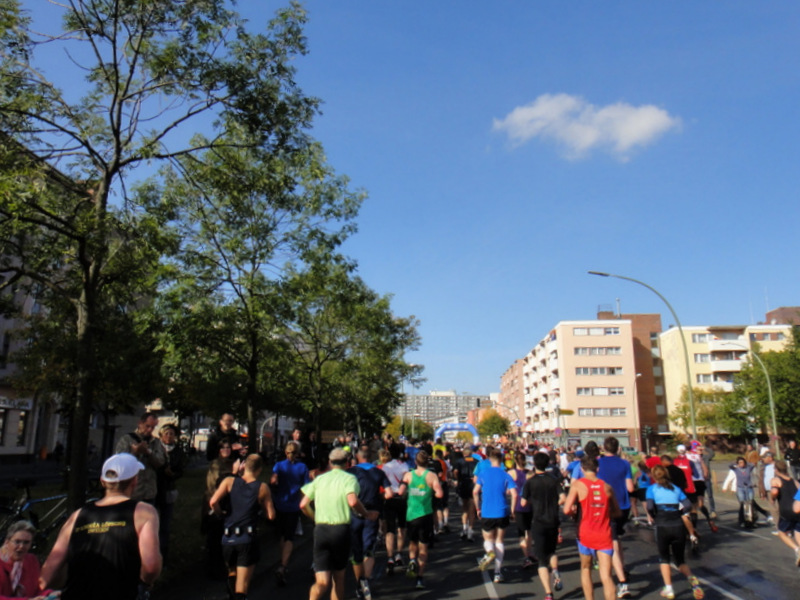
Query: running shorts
[[331, 547], [420, 530], [544, 541], [241, 555]]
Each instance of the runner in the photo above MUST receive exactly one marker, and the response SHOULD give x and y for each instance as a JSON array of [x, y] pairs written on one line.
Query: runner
[[616, 472], [442, 505], [594, 502], [334, 494], [669, 507], [700, 474], [463, 471], [240, 546], [783, 489], [422, 485], [491, 489], [288, 477], [542, 494], [395, 509], [375, 487], [522, 511]]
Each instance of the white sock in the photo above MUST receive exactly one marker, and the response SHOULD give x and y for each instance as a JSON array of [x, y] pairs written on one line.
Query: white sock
[[487, 546], [499, 551]]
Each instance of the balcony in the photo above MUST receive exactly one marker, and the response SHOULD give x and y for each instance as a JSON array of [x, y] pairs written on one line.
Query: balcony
[[739, 343], [723, 386], [725, 366]]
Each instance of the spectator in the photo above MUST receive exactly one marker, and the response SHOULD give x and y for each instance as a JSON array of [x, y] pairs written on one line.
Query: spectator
[[225, 431], [167, 475], [19, 570], [212, 524], [149, 451]]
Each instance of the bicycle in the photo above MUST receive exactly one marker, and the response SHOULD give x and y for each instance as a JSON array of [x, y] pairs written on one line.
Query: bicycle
[[26, 507]]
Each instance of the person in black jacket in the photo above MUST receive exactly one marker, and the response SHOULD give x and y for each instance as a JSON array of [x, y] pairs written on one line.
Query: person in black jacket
[[793, 458], [227, 432]]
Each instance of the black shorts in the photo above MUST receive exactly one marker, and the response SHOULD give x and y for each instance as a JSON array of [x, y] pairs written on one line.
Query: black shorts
[[641, 494], [394, 511], [618, 525], [241, 555], [286, 523], [363, 537], [441, 503], [523, 521], [700, 488], [489, 524], [465, 488], [671, 539], [420, 530], [692, 497], [788, 526], [331, 547], [544, 541]]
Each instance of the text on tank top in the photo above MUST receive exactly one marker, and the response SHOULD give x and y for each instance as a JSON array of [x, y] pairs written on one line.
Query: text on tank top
[[420, 495], [103, 554], [594, 530]]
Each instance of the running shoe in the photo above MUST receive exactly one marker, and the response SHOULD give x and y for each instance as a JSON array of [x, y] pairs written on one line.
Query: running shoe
[[398, 560], [623, 591], [411, 570], [464, 536], [557, 583], [548, 597], [528, 563], [280, 575], [498, 577], [366, 593], [446, 528], [697, 591], [390, 566], [713, 526], [359, 594], [486, 561], [420, 585], [668, 593]]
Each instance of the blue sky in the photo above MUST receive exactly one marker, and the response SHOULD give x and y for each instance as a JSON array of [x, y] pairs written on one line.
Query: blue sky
[[509, 147]]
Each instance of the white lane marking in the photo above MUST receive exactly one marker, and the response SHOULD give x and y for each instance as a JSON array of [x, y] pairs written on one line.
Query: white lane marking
[[487, 583], [713, 586]]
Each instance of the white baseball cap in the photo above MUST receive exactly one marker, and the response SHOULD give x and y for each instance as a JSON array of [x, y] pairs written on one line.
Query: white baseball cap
[[120, 467], [681, 448]]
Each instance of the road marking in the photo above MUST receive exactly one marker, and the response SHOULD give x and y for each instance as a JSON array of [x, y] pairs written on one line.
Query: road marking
[[713, 586], [491, 592]]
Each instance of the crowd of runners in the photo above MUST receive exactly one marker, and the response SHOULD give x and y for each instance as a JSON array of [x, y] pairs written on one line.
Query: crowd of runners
[[393, 495]]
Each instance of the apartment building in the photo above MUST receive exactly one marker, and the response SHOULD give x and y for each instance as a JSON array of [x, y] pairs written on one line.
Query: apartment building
[[511, 399], [439, 407], [716, 354]]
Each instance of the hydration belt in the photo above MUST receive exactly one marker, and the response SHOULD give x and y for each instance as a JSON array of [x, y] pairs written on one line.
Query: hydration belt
[[237, 531]]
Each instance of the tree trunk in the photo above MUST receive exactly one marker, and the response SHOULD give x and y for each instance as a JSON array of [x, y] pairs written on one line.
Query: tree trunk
[[82, 411]]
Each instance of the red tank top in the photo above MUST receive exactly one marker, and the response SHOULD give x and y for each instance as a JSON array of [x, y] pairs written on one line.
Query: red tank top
[[594, 530], [683, 463]]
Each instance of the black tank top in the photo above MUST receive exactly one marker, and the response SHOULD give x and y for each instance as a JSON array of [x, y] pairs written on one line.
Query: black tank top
[[240, 524], [103, 554], [786, 499]]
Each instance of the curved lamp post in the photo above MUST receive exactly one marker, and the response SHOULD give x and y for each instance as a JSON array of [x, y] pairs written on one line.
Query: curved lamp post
[[769, 393], [683, 341]]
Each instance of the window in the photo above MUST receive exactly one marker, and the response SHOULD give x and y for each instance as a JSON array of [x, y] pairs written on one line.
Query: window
[[619, 412], [597, 351], [601, 412], [584, 391], [580, 351], [22, 427], [729, 335], [614, 350], [611, 331], [596, 330], [781, 336], [704, 378], [580, 331], [701, 338], [702, 358], [615, 370], [616, 391], [581, 370], [584, 412]]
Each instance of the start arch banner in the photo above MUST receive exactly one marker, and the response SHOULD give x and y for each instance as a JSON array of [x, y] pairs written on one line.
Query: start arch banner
[[457, 427]]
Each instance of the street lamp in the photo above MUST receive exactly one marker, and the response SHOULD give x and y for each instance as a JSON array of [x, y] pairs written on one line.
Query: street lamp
[[769, 393], [683, 341]]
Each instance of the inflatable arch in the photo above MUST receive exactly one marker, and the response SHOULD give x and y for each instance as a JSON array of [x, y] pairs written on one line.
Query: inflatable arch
[[476, 439]]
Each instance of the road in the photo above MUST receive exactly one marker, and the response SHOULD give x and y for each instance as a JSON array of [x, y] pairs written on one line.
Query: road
[[734, 565]]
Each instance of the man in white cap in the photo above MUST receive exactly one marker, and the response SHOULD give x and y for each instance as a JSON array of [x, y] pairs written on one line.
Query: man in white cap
[[109, 548]]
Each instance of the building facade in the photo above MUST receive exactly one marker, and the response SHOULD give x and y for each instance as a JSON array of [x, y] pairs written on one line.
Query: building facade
[[439, 407], [511, 399], [715, 353]]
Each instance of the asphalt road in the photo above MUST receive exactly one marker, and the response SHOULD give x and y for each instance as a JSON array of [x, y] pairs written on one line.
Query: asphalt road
[[734, 565]]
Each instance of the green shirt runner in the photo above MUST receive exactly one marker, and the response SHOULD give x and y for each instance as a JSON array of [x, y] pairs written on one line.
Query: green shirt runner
[[330, 491], [419, 497]]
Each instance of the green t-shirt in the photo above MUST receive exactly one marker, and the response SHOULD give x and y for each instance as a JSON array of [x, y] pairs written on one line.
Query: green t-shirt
[[420, 495], [329, 492]]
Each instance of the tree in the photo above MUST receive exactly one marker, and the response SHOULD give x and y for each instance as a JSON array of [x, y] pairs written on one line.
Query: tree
[[493, 424], [347, 346], [706, 406], [154, 73]]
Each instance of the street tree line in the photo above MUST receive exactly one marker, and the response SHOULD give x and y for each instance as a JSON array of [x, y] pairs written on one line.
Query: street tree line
[[746, 409], [178, 226]]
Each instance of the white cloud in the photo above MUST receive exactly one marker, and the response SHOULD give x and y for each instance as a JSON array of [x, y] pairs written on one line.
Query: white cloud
[[580, 127]]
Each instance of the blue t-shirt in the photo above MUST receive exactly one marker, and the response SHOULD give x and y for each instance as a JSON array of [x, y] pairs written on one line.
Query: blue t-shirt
[[291, 477], [411, 457], [371, 479], [482, 465], [797, 495], [494, 482], [615, 471]]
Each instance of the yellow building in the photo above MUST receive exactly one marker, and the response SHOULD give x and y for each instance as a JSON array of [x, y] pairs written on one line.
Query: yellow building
[[716, 354]]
